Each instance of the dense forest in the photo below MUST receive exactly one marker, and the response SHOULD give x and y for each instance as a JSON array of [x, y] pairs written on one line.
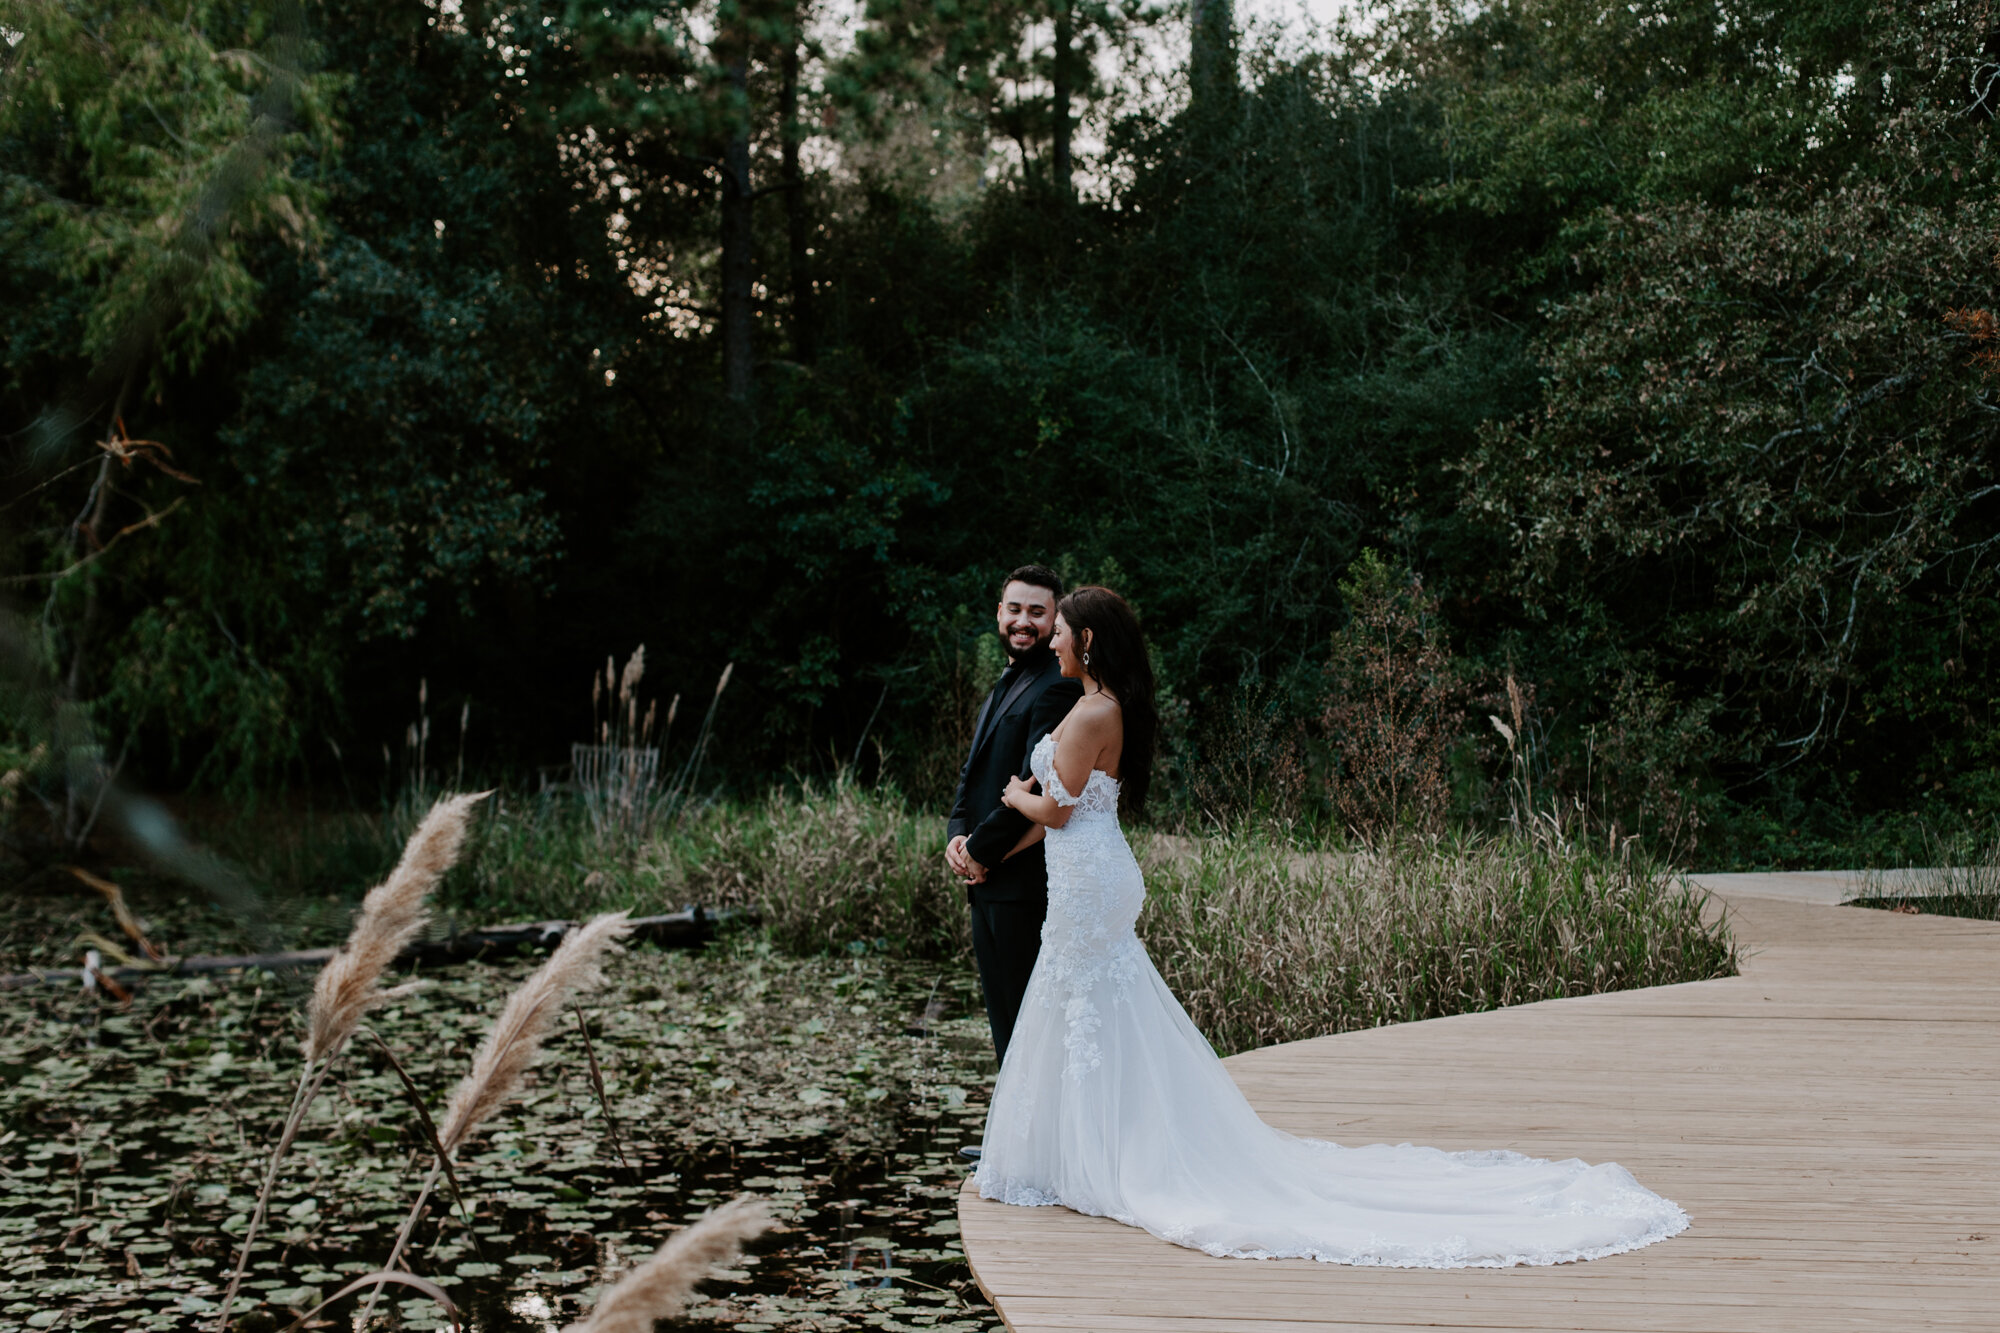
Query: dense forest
[[457, 346]]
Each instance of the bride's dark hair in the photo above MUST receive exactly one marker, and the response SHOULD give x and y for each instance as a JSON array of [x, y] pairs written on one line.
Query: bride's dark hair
[[1119, 662]]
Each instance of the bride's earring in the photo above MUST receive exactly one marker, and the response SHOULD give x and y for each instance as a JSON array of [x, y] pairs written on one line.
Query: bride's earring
[[1086, 659]]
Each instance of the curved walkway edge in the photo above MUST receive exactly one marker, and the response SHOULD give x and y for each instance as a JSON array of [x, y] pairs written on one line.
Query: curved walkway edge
[[1830, 1119]]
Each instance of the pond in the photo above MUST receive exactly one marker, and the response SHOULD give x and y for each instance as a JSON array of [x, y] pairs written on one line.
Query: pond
[[132, 1142]]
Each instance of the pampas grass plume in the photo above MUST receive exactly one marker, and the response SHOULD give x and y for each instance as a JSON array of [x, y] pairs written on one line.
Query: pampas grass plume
[[347, 987], [635, 668], [391, 916], [511, 1045], [658, 1288]]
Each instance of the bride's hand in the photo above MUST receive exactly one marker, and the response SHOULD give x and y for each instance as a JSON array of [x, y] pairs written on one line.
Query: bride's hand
[[1017, 787]]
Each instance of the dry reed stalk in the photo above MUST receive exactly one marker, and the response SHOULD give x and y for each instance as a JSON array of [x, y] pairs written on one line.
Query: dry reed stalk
[[516, 1037], [597, 1086], [658, 1288], [635, 668], [391, 916], [128, 923], [346, 988], [509, 1049], [683, 784]]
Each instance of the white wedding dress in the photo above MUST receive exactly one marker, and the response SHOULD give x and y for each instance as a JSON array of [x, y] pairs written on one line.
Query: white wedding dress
[[1110, 1102]]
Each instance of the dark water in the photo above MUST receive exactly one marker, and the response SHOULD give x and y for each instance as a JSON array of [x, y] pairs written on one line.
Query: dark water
[[131, 1144]]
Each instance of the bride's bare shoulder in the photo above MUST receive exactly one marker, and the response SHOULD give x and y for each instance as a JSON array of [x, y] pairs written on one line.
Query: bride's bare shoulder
[[1093, 718], [1095, 715]]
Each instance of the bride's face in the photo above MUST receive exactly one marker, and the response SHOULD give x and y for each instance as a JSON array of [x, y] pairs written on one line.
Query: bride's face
[[1063, 642]]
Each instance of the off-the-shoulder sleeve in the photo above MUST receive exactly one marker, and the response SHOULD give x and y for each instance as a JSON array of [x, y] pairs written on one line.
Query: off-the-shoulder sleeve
[[1056, 788]]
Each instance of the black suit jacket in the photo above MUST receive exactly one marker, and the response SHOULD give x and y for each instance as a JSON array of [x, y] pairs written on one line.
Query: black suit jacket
[[1019, 712]]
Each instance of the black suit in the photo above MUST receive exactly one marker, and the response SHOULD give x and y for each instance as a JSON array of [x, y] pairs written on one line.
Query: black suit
[[1007, 909]]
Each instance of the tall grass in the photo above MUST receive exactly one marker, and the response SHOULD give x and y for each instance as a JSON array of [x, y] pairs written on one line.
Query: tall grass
[[833, 866], [1960, 877], [1263, 941], [828, 865], [618, 774], [1264, 944]]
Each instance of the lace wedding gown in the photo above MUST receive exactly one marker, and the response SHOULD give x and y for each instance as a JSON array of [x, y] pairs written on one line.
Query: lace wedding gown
[[1110, 1102]]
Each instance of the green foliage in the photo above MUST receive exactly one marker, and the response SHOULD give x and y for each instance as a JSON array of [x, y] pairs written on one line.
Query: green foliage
[[187, 672], [390, 442], [979, 71], [1762, 456], [1392, 705], [1752, 505], [1629, 330], [149, 148]]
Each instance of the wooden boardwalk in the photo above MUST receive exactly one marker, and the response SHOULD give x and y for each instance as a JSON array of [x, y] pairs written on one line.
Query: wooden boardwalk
[[1830, 1119]]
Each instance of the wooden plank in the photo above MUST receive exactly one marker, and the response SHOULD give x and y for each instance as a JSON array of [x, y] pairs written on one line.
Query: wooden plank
[[1830, 1119]]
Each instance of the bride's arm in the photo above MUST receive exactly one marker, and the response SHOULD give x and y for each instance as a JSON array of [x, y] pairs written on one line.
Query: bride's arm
[[1035, 834], [1037, 806], [1084, 741]]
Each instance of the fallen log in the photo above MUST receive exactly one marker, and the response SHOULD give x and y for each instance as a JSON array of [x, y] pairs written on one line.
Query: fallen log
[[684, 929]]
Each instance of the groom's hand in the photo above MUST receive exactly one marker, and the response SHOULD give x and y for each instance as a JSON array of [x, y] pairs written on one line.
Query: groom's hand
[[961, 863]]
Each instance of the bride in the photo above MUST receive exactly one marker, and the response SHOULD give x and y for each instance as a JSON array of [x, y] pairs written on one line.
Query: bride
[[1110, 1102]]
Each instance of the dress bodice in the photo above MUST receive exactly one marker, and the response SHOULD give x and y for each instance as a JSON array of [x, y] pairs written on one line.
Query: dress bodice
[[1100, 791]]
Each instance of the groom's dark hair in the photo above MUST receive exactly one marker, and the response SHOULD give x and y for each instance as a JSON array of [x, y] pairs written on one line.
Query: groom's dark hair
[[1035, 576]]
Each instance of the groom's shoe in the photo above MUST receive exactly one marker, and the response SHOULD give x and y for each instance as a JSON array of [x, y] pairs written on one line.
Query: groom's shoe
[[969, 1152]]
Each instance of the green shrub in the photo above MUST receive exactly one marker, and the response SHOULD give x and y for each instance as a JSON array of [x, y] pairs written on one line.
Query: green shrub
[[1265, 944], [834, 866]]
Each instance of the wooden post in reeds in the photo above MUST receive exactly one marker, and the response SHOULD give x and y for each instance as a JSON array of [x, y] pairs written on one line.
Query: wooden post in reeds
[[392, 915]]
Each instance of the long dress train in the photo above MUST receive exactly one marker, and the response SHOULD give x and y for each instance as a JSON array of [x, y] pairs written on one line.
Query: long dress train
[[1110, 1102]]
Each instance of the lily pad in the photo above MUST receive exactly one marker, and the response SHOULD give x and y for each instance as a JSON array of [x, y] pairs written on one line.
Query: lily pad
[[754, 1074]]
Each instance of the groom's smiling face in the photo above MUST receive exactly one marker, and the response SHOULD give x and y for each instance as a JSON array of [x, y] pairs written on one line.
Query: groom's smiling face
[[1027, 617]]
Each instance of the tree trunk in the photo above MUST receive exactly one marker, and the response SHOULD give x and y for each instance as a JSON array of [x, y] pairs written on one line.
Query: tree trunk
[[1212, 66], [798, 230], [1062, 92], [739, 268]]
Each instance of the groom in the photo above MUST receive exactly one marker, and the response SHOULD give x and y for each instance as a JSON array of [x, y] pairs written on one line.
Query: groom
[[1009, 895]]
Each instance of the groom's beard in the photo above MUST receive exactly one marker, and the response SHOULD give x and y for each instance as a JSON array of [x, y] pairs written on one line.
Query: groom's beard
[[1040, 649]]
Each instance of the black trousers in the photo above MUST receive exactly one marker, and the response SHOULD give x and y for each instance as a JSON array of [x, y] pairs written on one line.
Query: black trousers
[[1006, 936]]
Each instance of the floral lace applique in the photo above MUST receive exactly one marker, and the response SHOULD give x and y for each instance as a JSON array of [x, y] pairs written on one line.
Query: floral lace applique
[[1100, 790], [1090, 952]]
